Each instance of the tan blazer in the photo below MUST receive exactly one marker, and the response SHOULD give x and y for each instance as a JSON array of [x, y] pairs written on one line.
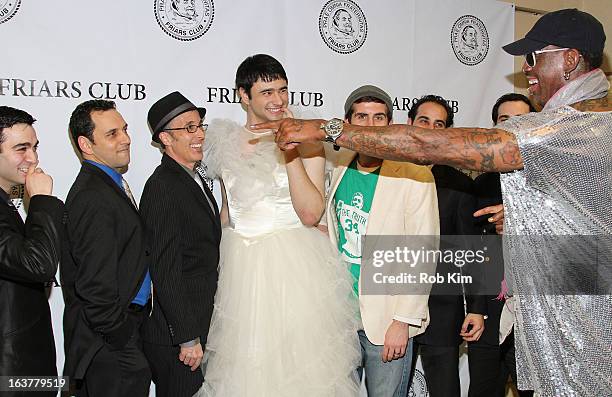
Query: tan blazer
[[405, 203]]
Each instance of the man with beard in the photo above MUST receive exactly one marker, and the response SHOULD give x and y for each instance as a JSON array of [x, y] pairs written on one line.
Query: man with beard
[[342, 26], [562, 158], [184, 9]]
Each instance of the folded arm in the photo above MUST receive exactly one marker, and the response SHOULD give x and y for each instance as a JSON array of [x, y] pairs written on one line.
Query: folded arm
[[33, 256]]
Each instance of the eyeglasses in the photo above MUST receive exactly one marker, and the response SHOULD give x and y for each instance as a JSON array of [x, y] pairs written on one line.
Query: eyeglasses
[[530, 58], [191, 128]]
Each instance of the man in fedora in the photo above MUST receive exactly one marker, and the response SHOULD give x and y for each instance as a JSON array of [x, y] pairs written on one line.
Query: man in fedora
[[182, 217]]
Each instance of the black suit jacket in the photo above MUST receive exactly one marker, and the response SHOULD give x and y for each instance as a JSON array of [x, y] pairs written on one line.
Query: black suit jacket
[[104, 264], [488, 192], [185, 233], [29, 254], [456, 205]]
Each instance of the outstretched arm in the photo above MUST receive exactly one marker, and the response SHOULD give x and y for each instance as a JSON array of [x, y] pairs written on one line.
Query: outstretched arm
[[469, 148]]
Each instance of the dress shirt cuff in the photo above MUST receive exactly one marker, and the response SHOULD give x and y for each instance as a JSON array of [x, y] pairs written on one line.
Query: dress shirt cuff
[[417, 322], [190, 343]]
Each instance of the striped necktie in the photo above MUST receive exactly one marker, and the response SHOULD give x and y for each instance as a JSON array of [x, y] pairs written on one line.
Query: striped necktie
[[201, 170], [128, 192]]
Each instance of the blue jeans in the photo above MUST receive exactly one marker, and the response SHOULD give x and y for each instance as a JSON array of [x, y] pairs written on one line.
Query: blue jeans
[[388, 379]]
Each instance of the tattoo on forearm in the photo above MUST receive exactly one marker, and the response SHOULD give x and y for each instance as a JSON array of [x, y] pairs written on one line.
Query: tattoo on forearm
[[594, 105], [475, 149]]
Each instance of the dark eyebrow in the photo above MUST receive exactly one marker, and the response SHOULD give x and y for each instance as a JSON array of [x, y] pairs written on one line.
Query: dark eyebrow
[[272, 89], [194, 122], [422, 117], [115, 129], [25, 144]]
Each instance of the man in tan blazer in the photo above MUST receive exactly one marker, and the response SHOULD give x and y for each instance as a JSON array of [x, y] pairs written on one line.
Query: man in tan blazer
[[375, 197]]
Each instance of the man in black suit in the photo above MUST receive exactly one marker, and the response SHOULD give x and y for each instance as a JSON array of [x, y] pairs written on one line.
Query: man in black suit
[[182, 216], [29, 253], [449, 325], [491, 363], [105, 276]]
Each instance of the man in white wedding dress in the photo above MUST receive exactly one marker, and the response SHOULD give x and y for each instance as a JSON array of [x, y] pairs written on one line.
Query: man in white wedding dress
[[283, 323]]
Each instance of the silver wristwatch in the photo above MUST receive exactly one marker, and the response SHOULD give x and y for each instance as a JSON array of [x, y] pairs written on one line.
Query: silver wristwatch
[[333, 130]]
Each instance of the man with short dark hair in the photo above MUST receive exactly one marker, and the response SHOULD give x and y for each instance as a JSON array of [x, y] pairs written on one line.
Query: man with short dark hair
[[185, 239], [370, 196], [562, 159], [105, 276], [509, 105], [29, 254], [283, 321], [490, 362], [450, 323]]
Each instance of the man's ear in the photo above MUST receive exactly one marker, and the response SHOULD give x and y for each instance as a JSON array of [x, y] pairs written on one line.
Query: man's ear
[[85, 145], [166, 138], [571, 60], [244, 96], [409, 121]]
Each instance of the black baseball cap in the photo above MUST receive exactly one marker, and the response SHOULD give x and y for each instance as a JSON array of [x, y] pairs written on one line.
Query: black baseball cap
[[167, 108], [564, 28]]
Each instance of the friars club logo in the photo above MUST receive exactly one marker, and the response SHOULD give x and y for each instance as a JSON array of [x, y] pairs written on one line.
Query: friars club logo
[[184, 20], [343, 26], [8, 9], [470, 40], [418, 388]]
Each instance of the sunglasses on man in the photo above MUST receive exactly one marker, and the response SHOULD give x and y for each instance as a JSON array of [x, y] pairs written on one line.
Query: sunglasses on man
[[530, 58]]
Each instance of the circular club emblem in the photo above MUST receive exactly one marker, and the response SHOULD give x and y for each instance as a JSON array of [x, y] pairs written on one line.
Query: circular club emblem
[[418, 388], [343, 26], [184, 19], [8, 9], [470, 40]]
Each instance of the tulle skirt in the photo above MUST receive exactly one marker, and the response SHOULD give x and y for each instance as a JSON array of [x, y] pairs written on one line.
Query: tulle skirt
[[284, 322]]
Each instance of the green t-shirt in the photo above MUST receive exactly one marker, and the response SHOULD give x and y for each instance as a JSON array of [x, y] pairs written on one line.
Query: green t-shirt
[[353, 200]]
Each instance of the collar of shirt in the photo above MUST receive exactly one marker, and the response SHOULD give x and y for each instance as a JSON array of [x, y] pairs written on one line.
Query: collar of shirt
[[115, 176], [190, 172]]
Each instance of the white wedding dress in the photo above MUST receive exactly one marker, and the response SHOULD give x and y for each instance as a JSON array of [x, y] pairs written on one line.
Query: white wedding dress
[[284, 321]]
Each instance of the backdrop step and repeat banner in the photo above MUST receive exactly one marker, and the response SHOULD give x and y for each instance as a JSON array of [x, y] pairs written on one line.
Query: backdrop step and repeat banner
[[57, 54]]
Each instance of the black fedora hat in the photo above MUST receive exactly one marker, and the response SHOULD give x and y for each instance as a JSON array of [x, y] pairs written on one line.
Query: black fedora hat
[[168, 108]]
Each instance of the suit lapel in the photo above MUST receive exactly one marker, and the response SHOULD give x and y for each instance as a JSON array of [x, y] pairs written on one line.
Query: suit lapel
[[208, 194], [383, 191], [337, 175], [105, 178], [195, 189], [12, 211]]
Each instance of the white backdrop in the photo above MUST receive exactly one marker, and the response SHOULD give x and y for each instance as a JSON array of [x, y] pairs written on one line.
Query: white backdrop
[[57, 54]]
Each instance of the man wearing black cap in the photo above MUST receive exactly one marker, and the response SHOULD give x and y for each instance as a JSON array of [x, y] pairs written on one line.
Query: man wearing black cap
[[181, 214], [104, 271], [562, 157], [370, 196]]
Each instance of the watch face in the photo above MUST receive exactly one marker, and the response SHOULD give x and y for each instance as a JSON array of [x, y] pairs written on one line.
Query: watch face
[[333, 128]]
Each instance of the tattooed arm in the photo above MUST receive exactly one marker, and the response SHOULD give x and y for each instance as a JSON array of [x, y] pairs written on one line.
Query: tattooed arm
[[470, 148]]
